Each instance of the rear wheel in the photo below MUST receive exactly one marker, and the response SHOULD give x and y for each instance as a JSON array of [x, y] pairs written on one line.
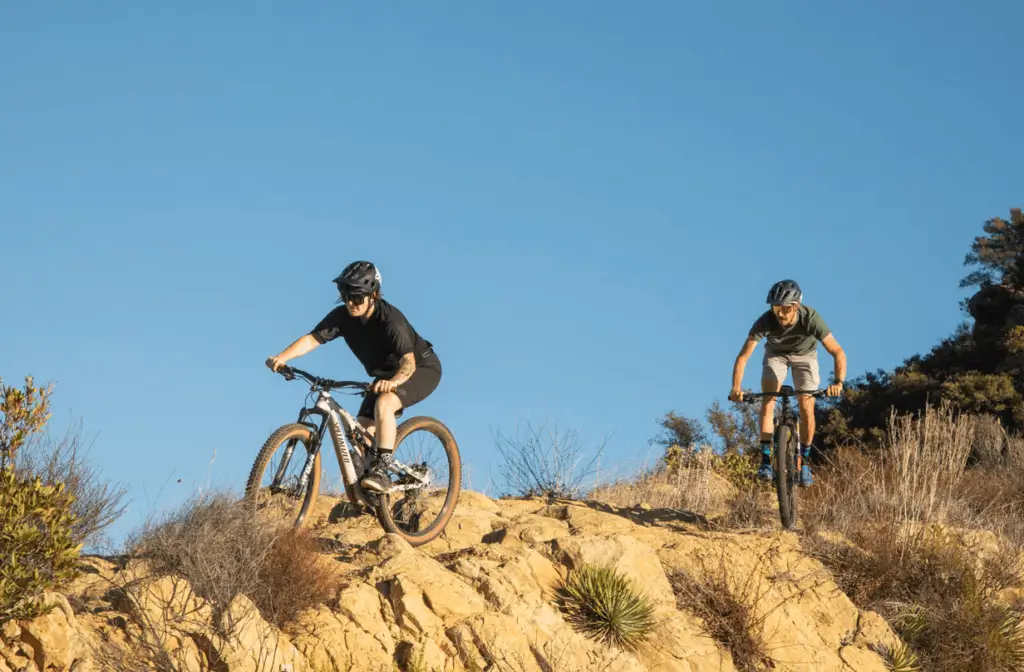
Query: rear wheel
[[785, 474], [273, 481], [420, 515]]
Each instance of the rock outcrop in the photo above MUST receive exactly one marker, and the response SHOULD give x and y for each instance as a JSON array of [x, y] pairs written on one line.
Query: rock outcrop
[[478, 598]]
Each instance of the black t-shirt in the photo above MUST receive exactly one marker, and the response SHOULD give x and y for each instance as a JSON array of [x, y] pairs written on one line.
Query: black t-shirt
[[379, 343]]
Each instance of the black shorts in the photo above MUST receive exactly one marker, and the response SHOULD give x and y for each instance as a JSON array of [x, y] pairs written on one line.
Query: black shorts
[[422, 383]]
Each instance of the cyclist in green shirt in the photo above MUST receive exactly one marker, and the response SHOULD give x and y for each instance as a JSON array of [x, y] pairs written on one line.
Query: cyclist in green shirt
[[792, 330]]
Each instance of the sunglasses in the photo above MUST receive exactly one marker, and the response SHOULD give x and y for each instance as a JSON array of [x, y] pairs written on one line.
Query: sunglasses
[[354, 299]]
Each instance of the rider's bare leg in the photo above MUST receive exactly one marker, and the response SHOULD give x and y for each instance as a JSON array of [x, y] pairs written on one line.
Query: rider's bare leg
[[368, 424], [770, 382], [806, 419], [768, 409], [386, 427]]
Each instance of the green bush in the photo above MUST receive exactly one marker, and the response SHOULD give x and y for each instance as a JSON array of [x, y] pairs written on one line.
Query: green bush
[[37, 547], [606, 606]]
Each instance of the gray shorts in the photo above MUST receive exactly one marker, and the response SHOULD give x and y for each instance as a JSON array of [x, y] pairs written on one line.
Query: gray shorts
[[804, 367]]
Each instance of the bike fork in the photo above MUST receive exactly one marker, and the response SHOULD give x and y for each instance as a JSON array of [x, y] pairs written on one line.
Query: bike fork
[[307, 468]]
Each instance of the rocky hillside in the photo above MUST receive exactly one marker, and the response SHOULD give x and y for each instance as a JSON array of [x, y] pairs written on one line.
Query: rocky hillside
[[482, 597]]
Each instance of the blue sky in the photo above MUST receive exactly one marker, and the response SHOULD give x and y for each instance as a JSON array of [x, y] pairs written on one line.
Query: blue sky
[[582, 205]]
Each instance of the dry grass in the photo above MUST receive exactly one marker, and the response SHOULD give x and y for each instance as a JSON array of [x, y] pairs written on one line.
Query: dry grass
[[540, 462], [723, 486], [903, 551], [687, 487], [225, 550], [914, 482], [98, 502], [728, 615], [750, 507], [735, 607]]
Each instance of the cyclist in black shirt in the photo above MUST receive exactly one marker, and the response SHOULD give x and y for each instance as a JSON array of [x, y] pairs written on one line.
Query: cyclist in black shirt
[[404, 366]]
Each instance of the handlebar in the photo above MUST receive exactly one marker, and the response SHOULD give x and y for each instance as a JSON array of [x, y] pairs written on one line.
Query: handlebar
[[750, 397], [290, 372]]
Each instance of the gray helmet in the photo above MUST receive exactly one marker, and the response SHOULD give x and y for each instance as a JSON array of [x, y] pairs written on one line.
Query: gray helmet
[[359, 277], [783, 292]]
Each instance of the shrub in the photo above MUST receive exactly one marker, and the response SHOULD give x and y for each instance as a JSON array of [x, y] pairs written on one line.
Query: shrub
[[684, 487], [901, 511], [727, 614], [533, 467], [25, 411], [606, 606], [734, 604], [226, 549], [36, 543], [97, 502]]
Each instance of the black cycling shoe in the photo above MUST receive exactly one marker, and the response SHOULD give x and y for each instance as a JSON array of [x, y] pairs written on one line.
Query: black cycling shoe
[[377, 479]]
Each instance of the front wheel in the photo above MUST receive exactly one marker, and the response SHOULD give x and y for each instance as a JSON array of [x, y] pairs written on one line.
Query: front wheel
[[273, 484], [786, 474], [419, 515]]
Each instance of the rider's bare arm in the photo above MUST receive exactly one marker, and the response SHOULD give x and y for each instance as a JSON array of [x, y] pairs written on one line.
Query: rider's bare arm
[[405, 369], [838, 354], [741, 362], [300, 347]]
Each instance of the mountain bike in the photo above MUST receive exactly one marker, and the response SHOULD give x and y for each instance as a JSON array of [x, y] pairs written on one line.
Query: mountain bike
[[786, 459], [429, 491]]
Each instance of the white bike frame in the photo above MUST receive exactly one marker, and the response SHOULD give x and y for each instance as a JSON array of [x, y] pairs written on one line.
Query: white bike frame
[[340, 424]]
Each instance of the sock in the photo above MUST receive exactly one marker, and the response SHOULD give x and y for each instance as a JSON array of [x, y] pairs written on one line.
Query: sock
[[385, 457], [805, 450], [766, 452]]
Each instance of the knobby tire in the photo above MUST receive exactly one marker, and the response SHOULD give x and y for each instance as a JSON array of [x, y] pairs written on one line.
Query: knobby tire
[[438, 429], [785, 475], [283, 434]]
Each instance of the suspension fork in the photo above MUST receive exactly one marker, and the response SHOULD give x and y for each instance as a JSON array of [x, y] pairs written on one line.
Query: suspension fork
[[318, 435]]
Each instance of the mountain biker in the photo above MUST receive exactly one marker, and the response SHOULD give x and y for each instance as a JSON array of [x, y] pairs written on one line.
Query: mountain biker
[[792, 329], [404, 366]]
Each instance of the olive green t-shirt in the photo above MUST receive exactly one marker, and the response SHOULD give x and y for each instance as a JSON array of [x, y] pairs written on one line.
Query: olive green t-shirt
[[798, 339]]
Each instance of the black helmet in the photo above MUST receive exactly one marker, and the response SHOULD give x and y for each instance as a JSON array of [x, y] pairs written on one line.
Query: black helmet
[[359, 277], [784, 291]]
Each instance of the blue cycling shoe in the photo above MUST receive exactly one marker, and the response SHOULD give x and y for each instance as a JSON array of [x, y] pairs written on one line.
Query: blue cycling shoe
[[805, 476], [765, 473]]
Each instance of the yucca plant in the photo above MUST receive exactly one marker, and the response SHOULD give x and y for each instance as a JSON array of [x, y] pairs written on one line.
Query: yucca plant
[[1004, 641], [900, 658], [606, 606]]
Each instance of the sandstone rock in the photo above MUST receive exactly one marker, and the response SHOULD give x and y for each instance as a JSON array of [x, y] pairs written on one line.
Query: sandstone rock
[[362, 604], [10, 631], [166, 599], [529, 528], [511, 508], [427, 655], [680, 643], [508, 578], [53, 638], [803, 617], [469, 526], [443, 593], [252, 644], [482, 594], [583, 520], [332, 641]]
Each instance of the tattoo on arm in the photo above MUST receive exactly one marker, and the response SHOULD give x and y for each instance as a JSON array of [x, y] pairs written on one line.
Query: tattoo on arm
[[406, 369]]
